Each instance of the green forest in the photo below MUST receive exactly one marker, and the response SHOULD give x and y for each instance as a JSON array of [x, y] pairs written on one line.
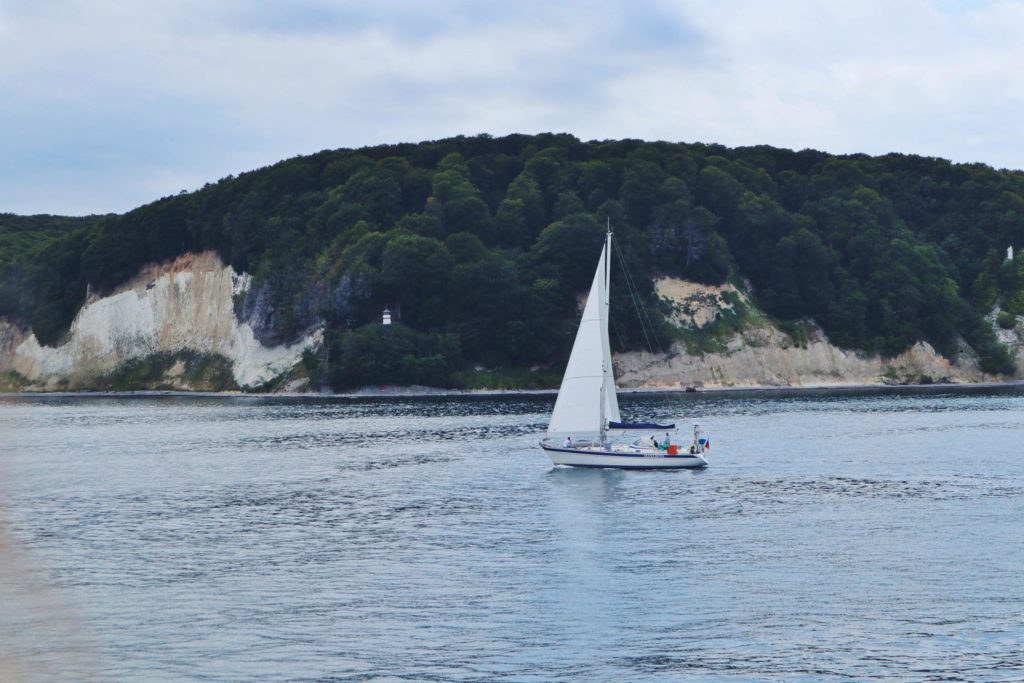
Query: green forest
[[481, 245]]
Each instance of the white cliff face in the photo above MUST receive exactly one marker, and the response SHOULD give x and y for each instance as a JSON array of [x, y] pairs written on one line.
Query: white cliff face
[[819, 363], [763, 355], [184, 305], [188, 306], [694, 305]]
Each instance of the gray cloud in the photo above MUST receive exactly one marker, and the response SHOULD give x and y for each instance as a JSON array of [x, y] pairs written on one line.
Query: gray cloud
[[108, 105]]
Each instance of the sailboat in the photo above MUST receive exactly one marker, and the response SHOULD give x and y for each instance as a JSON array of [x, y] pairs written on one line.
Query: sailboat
[[586, 429]]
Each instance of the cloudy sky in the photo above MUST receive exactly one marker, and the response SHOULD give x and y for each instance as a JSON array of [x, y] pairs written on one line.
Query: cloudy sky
[[108, 104]]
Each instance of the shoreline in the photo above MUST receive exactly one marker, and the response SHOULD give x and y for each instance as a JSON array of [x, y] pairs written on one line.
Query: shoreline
[[431, 392]]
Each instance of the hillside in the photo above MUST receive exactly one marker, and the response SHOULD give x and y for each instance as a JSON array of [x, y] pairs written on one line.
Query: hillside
[[481, 246]]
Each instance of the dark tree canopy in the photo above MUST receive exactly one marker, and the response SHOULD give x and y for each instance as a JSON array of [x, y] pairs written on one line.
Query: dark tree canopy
[[482, 245]]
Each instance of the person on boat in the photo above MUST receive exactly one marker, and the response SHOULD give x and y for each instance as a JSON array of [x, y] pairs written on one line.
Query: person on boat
[[567, 443], [654, 442]]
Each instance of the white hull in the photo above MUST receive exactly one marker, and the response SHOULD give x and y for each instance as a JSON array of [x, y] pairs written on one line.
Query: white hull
[[633, 461]]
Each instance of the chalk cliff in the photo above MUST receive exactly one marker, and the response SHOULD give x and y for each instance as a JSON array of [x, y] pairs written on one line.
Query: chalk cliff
[[184, 312], [752, 351], [184, 308]]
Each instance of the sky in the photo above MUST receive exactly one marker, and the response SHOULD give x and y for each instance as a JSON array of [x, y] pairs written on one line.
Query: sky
[[106, 105]]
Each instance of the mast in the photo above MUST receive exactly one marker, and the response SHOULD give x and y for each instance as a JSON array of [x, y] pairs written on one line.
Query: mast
[[608, 264], [606, 310], [609, 399]]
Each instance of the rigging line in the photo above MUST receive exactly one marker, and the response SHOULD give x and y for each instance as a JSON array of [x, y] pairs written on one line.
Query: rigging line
[[631, 288], [644, 314], [618, 335], [634, 294], [635, 299]]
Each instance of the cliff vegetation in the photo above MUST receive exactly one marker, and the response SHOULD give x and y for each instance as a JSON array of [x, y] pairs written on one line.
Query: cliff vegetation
[[480, 247]]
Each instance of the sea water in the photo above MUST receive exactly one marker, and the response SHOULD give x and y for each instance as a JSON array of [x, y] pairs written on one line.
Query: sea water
[[872, 535]]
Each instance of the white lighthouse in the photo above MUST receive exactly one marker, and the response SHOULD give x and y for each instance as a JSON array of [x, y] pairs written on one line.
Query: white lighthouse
[[386, 317]]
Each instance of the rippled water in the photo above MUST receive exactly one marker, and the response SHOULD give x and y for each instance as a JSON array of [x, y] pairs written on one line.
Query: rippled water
[[836, 536]]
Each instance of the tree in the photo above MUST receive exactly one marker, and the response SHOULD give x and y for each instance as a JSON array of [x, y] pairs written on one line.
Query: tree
[[393, 354], [465, 247], [640, 190], [570, 247], [414, 273], [377, 192], [468, 214], [802, 270], [483, 298], [524, 189], [718, 191]]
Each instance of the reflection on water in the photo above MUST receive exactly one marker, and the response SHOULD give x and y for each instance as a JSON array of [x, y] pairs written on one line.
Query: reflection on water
[[843, 535]]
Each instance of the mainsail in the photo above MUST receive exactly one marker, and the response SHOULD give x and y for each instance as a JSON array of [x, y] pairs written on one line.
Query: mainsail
[[586, 399], [611, 400]]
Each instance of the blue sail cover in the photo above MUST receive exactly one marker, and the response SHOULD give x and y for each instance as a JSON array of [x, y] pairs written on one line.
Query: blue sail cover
[[639, 425]]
